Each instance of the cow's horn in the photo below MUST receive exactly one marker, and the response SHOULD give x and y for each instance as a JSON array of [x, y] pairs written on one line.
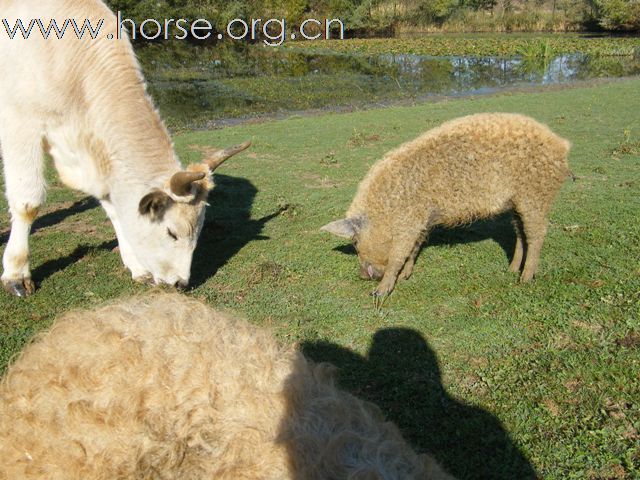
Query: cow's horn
[[181, 182], [219, 157]]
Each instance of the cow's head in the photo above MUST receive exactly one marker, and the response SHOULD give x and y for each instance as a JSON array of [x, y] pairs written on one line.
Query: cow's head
[[168, 222]]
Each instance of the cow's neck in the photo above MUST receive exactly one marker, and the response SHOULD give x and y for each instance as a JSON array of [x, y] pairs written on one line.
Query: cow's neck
[[123, 115], [106, 132], [144, 150]]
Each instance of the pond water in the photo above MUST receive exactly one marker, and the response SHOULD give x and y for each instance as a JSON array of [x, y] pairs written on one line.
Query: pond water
[[204, 87]]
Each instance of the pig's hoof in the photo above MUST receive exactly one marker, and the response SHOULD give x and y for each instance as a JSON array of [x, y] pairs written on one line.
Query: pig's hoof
[[384, 289], [406, 274], [527, 276], [379, 297], [407, 270], [19, 288]]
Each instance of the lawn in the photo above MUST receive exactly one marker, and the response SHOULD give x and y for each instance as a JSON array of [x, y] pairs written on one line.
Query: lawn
[[496, 379]]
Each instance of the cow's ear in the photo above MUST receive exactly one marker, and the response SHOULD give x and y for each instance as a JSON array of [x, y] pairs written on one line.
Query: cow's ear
[[154, 204]]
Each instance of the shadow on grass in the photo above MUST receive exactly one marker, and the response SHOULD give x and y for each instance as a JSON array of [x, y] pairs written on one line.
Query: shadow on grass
[[57, 216], [401, 375], [228, 227], [498, 229], [50, 267]]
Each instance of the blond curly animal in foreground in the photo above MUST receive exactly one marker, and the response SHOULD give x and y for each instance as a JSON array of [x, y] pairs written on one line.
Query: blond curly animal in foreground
[[470, 168], [166, 388]]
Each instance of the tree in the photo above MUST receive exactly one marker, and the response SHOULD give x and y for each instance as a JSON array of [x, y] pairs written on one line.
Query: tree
[[619, 14]]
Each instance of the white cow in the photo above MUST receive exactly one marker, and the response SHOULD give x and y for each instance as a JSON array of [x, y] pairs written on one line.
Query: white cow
[[85, 103]]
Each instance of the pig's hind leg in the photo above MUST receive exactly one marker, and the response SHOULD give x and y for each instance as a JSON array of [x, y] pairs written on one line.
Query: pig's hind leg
[[534, 223], [518, 253]]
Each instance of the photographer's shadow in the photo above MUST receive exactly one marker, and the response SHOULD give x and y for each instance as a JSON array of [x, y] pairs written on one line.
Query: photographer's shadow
[[402, 376], [228, 226]]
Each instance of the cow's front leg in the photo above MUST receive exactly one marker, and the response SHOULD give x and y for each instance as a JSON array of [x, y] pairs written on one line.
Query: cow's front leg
[[16, 275], [138, 272], [25, 189]]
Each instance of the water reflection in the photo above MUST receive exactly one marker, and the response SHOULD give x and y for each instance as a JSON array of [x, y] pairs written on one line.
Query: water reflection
[[195, 85]]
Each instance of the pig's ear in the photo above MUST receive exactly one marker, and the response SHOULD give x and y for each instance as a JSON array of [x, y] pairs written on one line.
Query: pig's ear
[[346, 228]]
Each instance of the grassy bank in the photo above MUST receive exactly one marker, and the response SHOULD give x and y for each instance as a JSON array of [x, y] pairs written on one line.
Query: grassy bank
[[496, 379], [526, 20], [198, 87], [479, 44]]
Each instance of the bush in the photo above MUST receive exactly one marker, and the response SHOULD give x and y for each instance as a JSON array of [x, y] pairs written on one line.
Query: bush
[[371, 15], [619, 14]]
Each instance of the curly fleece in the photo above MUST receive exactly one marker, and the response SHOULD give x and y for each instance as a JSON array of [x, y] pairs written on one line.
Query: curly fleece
[[163, 387], [469, 168]]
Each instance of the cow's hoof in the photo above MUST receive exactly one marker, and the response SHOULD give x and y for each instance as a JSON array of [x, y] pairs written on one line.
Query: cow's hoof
[[19, 288], [145, 279]]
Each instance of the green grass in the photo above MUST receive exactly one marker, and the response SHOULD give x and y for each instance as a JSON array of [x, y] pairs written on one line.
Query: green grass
[[477, 44], [495, 378]]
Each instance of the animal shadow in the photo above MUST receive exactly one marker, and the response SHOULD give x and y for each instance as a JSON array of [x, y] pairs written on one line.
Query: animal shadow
[[228, 226], [44, 271], [499, 229], [57, 216], [401, 375]]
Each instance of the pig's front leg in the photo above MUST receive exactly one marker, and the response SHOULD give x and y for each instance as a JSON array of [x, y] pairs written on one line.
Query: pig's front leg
[[402, 250]]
